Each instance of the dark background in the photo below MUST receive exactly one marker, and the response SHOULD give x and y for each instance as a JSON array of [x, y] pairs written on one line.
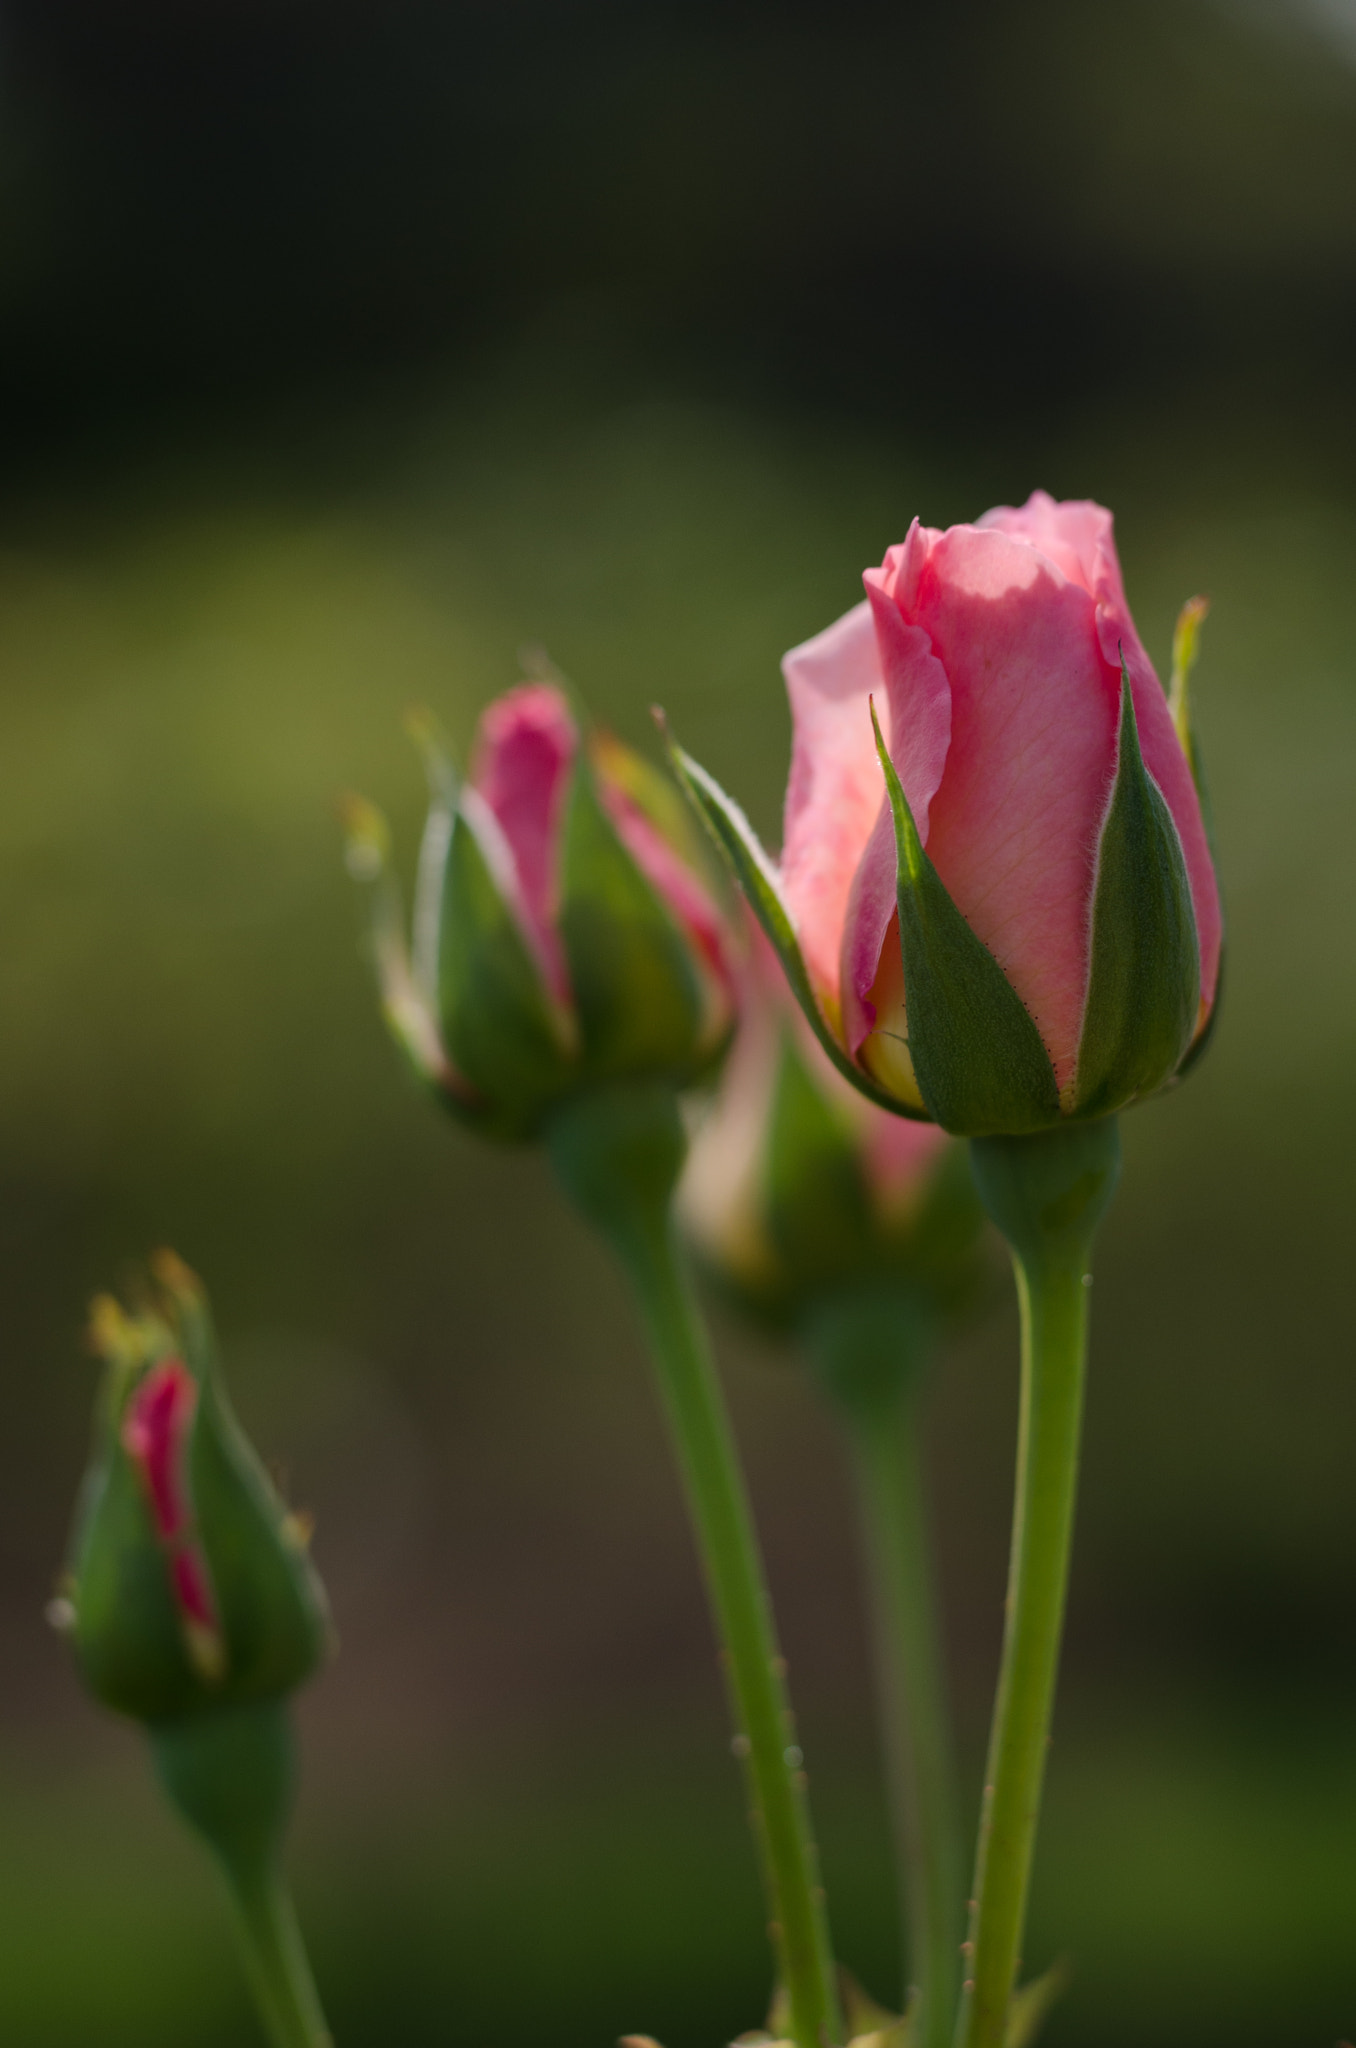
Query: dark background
[[343, 349]]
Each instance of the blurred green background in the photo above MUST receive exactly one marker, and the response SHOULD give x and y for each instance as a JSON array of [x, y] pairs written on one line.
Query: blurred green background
[[343, 350]]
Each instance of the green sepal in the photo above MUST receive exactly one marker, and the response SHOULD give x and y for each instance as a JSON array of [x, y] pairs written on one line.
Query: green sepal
[[869, 2024], [978, 1057], [1144, 983], [127, 1633], [1200, 1045], [127, 1630], [661, 800], [1185, 648], [504, 1032], [636, 993], [1029, 2007], [752, 870]]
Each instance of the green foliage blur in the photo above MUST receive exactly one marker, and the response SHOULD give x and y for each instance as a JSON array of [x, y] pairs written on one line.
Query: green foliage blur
[[347, 350]]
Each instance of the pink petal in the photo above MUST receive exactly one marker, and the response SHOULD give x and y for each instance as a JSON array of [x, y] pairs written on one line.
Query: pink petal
[[1078, 537], [835, 790], [692, 905], [720, 1196], [155, 1435], [917, 730], [1015, 821], [524, 753], [1073, 533], [899, 1154]]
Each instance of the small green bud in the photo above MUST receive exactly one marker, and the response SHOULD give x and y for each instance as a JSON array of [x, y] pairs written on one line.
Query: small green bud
[[190, 1589], [565, 936], [797, 1190]]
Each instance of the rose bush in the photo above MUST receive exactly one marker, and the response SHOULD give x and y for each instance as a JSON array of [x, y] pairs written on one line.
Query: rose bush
[[1021, 922]]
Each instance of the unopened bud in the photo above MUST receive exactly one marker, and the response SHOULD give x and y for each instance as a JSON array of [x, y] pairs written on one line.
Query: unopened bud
[[565, 936], [188, 1589]]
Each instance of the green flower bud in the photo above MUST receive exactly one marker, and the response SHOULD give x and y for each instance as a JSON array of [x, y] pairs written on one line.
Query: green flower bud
[[797, 1190], [565, 933], [190, 1589]]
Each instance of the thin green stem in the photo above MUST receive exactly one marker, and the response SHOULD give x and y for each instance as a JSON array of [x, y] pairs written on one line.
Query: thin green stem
[[232, 1776], [618, 1154], [870, 1346], [886, 1456], [275, 1957], [1047, 1194]]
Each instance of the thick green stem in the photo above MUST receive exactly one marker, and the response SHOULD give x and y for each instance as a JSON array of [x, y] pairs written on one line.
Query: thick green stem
[[618, 1153], [232, 1775], [1047, 1194], [871, 1348]]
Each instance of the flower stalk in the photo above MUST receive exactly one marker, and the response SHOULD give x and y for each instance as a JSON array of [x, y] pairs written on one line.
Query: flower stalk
[[1047, 1194], [881, 1413], [618, 1153], [231, 1775]]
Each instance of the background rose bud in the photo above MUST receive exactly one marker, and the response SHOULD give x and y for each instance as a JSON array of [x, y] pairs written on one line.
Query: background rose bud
[[565, 934], [190, 1588], [1028, 925], [796, 1187]]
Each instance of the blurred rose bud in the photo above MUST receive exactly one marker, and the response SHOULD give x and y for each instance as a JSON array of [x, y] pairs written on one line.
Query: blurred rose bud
[[190, 1588], [798, 1189], [1021, 923], [565, 930]]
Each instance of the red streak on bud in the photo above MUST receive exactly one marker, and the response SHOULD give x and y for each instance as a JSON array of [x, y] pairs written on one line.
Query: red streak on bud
[[157, 1423], [155, 1435]]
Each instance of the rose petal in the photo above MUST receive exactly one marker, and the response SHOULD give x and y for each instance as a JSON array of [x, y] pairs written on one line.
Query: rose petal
[[154, 1433], [694, 908], [1078, 536], [900, 1154], [918, 734], [1015, 821], [524, 753], [834, 793], [1073, 533]]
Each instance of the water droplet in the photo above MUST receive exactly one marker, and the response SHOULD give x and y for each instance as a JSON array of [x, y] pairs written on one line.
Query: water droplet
[[1087, 1279], [740, 1745], [793, 1755], [60, 1615]]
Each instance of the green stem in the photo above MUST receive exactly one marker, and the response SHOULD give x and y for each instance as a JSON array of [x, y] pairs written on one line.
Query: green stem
[[871, 1349], [618, 1153], [1047, 1194], [232, 1776], [275, 1958]]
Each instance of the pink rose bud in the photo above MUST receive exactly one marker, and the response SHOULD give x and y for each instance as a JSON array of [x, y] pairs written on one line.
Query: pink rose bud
[[797, 1188], [996, 899], [190, 1590], [565, 933]]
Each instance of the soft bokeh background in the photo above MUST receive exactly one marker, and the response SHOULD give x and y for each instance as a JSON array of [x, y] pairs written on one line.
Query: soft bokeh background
[[347, 348]]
